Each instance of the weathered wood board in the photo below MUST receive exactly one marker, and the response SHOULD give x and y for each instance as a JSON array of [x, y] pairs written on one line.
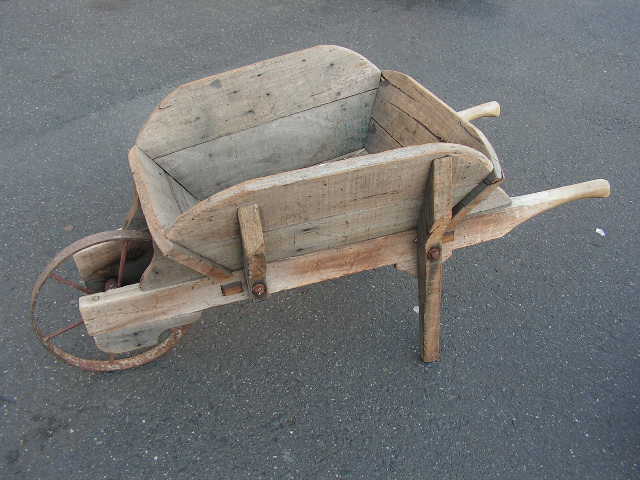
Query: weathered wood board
[[131, 307], [162, 200], [161, 196], [240, 99], [294, 141], [255, 260], [326, 205], [433, 221], [407, 113]]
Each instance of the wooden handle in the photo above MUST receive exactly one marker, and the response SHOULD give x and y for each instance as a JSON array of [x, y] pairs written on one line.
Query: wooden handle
[[546, 200], [489, 109], [497, 222]]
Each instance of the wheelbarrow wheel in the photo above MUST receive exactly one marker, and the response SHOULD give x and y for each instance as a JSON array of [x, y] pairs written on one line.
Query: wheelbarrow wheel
[[113, 362]]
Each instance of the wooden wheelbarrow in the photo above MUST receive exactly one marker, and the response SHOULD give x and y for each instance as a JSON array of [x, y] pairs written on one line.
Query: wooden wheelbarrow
[[284, 173]]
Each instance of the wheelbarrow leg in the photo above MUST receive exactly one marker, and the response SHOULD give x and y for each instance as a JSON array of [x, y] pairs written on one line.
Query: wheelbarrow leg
[[433, 221]]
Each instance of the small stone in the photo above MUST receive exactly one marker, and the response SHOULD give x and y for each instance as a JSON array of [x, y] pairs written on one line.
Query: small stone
[[68, 228]]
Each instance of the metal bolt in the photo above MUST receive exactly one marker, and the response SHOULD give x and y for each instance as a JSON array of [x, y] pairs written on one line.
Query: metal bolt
[[259, 289], [434, 253]]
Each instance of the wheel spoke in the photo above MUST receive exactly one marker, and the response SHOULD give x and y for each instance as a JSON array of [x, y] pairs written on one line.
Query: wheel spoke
[[123, 260], [63, 330], [70, 283], [115, 362]]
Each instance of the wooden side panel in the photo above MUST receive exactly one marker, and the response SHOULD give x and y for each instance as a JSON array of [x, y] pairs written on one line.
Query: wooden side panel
[[379, 140], [413, 115], [162, 198], [326, 205], [288, 143], [398, 124], [163, 271], [244, 98]]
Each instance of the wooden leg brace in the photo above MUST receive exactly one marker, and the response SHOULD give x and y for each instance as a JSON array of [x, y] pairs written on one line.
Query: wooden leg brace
[[433, 221]]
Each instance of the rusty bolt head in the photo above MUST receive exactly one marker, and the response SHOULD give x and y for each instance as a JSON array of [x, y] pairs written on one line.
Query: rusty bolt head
[[434, 253], [259, 290]]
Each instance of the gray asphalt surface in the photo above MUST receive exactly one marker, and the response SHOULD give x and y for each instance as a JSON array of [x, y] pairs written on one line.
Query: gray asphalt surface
[[540, 375]]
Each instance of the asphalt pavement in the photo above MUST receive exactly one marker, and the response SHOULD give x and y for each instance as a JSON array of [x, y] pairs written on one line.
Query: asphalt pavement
[[540, 377]]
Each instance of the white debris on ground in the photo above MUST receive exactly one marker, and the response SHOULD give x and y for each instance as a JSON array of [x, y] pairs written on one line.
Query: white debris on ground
[[416, 309], [601, 232]]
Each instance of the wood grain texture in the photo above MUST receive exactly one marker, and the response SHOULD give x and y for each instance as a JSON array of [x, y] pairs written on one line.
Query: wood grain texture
[[407, 113], [288, 143], [489, 109], [497, 198], [253, 249], [244, 98], [413, 115], [494, 223], [379, 140], [163, 271], [326, 205], [129, 306], [432, 224], [162, 199], [101, 261], [143, 334]]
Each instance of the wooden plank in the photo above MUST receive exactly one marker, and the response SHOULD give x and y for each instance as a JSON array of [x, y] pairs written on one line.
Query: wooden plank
[[101, 261], [257, 94], [328, 232], [142, 335], [401, 98], [253, 250], [130, 306], [496, 199], [295, 141], [161, 197], [488, 150], [92, 261], [432, 225], [356, 153], [161, 272], [378, 139], [358, 194], [400, 125], [412, 115], [162, 200], [164, 271]]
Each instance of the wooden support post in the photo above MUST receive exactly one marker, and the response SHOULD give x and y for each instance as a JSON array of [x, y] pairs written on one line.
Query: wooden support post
[[253, 250], [432, 224]]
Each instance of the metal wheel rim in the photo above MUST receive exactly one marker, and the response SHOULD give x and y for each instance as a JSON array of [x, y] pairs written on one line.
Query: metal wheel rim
[[89, 364]]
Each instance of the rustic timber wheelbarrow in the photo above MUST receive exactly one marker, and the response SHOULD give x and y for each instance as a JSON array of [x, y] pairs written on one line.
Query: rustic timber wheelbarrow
[[288, 172]]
